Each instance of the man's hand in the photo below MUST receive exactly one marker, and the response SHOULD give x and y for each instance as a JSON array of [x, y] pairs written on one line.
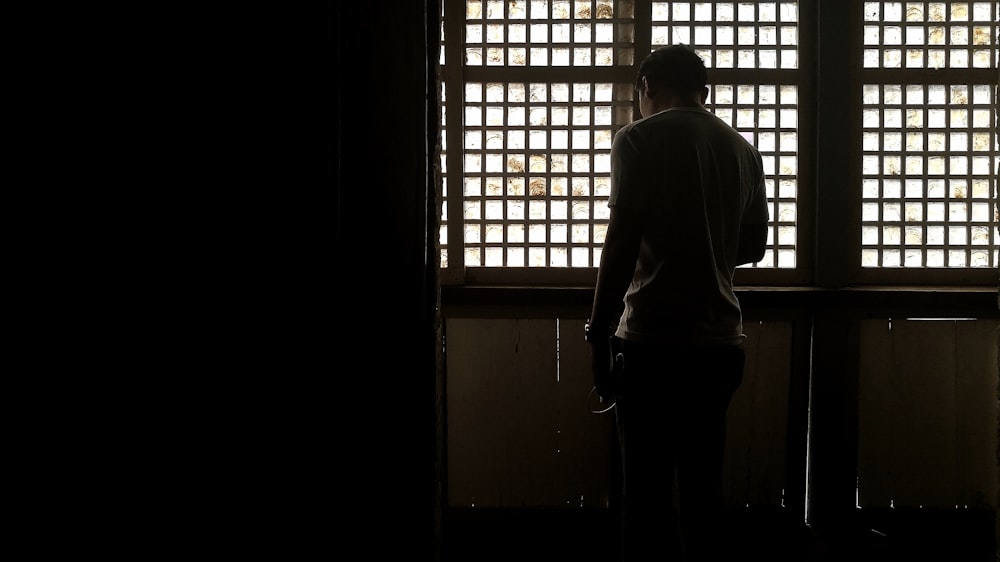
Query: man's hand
[[601, 364]]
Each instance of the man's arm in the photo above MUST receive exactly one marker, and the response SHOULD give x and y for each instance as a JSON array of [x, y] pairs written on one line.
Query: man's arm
[[621, 250], [753, 231], [753, 240]]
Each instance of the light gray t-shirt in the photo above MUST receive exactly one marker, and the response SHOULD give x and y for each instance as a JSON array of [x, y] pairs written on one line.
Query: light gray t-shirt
[[693, 181]]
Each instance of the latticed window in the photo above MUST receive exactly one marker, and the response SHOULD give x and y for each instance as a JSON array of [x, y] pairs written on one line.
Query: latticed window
[[929, 129], [533, 91]]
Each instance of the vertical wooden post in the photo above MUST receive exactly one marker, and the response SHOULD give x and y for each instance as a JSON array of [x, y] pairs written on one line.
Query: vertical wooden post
[[832, 450], [833, 422]]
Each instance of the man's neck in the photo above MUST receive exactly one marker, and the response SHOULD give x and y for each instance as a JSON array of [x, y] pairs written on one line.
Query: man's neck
[[672, 102]]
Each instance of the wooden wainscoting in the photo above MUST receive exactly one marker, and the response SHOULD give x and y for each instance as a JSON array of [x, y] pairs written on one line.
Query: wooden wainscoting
[[519, 430], [521, 434], [927, 434]]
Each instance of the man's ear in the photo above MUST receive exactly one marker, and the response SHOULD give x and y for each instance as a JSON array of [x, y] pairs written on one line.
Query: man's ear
[[704, 95]]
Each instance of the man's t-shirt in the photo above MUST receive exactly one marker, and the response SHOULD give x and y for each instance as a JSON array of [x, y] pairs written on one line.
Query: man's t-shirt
[[693, 181]]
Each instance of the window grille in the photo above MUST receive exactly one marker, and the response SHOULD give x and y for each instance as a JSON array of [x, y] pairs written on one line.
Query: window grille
[[533, 92], [543, 81], [929, 135]]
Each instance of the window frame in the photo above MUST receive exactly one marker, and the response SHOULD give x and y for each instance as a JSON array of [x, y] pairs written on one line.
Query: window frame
[[829, 78]]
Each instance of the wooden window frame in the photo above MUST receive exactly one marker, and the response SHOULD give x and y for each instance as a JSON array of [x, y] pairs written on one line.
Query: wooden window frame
[[828, 197]]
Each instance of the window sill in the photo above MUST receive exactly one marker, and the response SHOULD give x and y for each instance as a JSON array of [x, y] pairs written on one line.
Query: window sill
[[925, 301]]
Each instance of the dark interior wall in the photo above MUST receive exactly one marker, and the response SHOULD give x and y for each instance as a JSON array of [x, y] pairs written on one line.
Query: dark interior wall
[[384, 351]]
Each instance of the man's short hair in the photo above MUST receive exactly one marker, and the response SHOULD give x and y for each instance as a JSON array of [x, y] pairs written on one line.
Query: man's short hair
[[676, 67]]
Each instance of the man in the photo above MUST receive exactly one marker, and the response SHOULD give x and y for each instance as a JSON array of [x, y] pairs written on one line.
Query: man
[[688, 205]]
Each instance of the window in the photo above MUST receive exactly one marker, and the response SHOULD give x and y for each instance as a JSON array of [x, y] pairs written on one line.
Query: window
[[533, 92], [929, 137]]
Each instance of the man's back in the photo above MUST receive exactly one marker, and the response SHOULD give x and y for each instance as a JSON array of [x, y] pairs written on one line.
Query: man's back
[[691, 181]]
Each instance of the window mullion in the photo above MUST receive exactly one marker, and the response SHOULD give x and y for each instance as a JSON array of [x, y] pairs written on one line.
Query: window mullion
[[838, 150], [452, 75]]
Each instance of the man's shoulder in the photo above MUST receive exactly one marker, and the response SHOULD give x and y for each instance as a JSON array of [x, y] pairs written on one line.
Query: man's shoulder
[[652, 126], [629, 127]]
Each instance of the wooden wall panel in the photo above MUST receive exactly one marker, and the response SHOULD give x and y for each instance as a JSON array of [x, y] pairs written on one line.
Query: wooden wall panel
[[977, 379], [501, 392], [876, 408], [927, 432], [923, 378], [586, 442], [520, 433], [757, 438]]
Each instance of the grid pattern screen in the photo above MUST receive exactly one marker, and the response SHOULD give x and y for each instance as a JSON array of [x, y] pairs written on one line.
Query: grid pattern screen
[[731, 34], [443, 193], [535, 168], [443, 152], [536, 173], [544, 32], [929, 149], [930, 34], [545, 84], [536, 152]]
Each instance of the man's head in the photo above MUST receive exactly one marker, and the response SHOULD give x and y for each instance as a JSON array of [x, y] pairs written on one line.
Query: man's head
[[670, 76]]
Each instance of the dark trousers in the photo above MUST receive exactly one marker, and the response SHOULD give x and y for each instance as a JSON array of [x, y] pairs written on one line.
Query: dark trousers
[[671, 419]]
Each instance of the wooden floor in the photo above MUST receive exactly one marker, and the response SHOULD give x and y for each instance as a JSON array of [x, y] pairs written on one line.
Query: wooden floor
[[581, 535]]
